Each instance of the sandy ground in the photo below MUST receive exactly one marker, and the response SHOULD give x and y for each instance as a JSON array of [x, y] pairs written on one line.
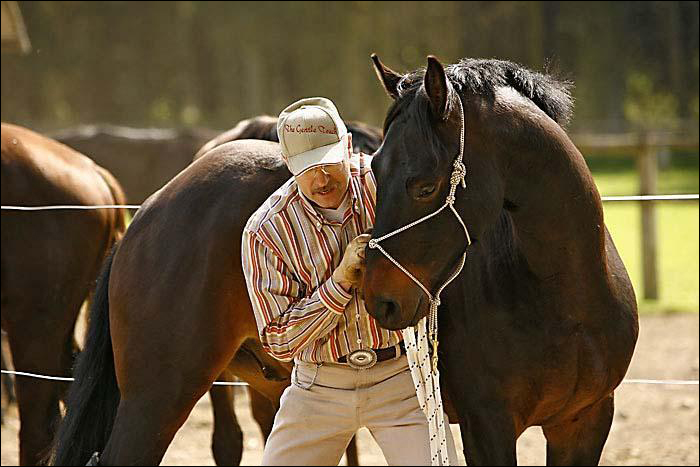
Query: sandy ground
[[654, 424]]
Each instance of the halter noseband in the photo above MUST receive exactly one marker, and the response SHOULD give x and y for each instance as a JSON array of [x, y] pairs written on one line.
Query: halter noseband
[[459, 173]]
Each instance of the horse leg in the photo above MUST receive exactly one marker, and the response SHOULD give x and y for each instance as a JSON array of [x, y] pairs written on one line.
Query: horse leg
[[146, 424], [580, 441], [157, 398], [8, 384], [488, 436], [47, 351], [227, 439], [263, 411]]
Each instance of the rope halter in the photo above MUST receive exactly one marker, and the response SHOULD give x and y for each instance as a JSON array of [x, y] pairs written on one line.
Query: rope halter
[[424, 371]]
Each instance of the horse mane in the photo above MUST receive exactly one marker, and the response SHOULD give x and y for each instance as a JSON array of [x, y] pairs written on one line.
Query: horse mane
[[483, 76]]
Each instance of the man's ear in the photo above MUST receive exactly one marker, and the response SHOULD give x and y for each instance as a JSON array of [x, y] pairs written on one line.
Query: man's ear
[[350, 151]]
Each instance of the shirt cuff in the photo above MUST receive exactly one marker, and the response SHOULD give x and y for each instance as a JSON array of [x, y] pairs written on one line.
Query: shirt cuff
[[333, 296]]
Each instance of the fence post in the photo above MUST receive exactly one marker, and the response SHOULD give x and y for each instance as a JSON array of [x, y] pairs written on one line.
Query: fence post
[[648, 170]]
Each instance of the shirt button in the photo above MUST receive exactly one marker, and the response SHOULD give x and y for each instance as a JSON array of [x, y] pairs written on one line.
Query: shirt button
[[359, 341]]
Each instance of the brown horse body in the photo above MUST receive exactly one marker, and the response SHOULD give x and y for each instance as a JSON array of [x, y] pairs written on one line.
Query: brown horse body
[[49, 262], [266, 376]]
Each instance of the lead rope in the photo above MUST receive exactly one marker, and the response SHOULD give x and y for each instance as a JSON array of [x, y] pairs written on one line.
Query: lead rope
[[424, 370]]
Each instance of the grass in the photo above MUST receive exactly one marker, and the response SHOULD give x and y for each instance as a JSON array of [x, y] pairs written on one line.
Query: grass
[[677, 229]]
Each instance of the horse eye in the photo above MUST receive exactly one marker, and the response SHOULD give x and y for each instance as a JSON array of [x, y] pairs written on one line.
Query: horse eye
[[426, 191]]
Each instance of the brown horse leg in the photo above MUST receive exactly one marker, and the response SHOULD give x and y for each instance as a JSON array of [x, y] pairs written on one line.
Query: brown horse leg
[[489, 436], [227, 439], [47, 352], [580, 441], [155, 404], [8, 384], [263, 411], [145, 426]]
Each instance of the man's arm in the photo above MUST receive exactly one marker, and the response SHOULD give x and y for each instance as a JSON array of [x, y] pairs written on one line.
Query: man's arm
[[287, 321]]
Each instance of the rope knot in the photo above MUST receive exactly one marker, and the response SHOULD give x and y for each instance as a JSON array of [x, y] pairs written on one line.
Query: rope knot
[[458, 174], [372, 244]]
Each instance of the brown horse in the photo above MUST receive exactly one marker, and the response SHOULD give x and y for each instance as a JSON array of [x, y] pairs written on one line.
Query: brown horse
[[540, 326], [171, 309], [50, 260], [162, 153]]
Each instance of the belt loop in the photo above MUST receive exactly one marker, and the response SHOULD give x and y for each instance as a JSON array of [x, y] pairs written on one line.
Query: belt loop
[[295, 379], [397, 349]]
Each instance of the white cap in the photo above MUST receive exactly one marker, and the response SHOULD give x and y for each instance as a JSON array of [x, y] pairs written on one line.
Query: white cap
[[311, 133]]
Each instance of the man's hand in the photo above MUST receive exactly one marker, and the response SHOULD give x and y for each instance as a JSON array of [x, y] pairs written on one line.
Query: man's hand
[[349, 272]]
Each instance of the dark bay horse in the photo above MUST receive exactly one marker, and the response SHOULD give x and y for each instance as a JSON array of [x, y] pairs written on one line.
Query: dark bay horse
[[540, 326], [50, 260]]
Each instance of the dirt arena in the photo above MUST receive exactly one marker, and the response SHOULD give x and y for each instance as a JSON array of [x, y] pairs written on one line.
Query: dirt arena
[[654, 425]]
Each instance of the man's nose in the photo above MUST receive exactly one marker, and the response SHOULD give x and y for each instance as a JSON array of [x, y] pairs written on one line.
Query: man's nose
[[322, 175]]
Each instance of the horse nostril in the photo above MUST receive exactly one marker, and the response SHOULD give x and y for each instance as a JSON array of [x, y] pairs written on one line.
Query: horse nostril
[[387, 308]]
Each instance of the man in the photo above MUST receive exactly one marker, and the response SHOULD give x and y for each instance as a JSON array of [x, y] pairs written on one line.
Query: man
[[303, 252]]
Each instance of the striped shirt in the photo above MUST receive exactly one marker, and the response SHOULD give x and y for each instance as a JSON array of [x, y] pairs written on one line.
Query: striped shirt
[[289, 253]]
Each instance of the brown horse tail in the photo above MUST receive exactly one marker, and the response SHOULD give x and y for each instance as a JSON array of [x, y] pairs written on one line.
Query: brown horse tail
[[119, 197], [92, 401]]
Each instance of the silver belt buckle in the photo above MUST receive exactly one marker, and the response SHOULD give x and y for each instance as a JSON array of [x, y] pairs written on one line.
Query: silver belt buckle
[[362, 359]]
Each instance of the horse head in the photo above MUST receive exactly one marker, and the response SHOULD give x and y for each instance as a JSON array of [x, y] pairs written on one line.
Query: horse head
[[413, 168], [492, 104]]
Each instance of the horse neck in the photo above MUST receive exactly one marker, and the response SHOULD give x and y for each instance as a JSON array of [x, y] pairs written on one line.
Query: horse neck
[[555, 208]]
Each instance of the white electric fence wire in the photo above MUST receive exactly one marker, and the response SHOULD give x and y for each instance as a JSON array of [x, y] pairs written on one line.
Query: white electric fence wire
[[682, 197], [61, 378]]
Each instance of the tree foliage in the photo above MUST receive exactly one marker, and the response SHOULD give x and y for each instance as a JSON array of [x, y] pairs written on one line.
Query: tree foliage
[[214, 63]]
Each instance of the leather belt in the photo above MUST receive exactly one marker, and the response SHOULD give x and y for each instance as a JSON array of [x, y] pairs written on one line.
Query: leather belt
[[383, 354]]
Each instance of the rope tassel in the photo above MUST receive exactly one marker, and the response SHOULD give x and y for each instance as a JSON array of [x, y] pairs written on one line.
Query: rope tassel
[[426, 378]]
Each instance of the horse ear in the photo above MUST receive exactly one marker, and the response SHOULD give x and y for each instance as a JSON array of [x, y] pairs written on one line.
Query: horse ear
[[435, 83], [389, 78]]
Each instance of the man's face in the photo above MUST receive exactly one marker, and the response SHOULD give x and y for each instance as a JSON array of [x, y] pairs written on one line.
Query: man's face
[[325, 185]]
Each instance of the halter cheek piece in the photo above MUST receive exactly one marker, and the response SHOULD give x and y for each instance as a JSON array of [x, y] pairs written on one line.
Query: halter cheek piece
[[459, 173]]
